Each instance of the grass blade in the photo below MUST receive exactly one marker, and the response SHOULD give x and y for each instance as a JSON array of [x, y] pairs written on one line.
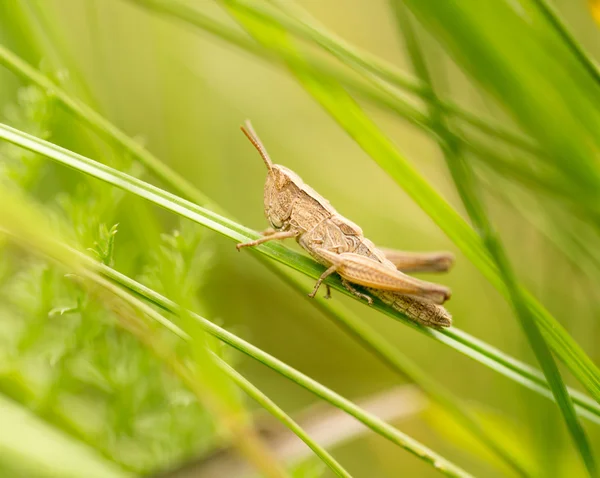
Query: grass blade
[[28, 225], [578, 50], [22, 222], [382, 69], [403, 365], [464, 180], [551, 96], [268, 404], [384, 96], [349, 115], [454, 337]]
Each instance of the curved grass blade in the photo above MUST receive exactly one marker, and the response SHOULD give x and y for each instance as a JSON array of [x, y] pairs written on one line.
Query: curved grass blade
[[259, 397], [403, 365], [22, 222], [194, 16], [32, 230], [297, 21], [102, 125], [350, 116], [381, 94], [464, 180], [454, 337], [28, 227], [375, 91]]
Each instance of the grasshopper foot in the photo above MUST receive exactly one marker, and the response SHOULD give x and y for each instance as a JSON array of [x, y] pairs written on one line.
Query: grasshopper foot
[[328, 293]]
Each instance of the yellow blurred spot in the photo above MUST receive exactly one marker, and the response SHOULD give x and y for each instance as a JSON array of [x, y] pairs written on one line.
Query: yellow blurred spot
[[595, 8]]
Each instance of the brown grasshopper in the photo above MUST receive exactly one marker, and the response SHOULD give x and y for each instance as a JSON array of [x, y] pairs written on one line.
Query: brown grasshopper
[[295, 210]]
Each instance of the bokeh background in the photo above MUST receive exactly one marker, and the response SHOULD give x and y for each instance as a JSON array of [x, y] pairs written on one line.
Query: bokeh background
[[183, 93]]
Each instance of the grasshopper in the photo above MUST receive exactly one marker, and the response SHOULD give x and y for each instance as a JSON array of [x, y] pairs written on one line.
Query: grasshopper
[[295, 210]]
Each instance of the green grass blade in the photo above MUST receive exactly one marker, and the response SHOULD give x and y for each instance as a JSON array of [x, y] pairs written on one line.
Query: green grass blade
[[385, 97], [298, 22], [103, 126], [270, 406], [403, 365], [577, 48], [194, 16], [29, 227], [382, 95], [349, 115], [454, 337], [464, 180], [550, 95]]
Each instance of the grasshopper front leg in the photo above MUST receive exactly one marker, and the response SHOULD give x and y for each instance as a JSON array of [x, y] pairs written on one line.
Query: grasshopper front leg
[[419, 261], [367, 272], [269, 236]]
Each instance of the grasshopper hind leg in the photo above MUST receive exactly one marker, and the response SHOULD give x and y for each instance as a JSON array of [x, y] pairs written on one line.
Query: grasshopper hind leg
[[325, 274], [356, 292]]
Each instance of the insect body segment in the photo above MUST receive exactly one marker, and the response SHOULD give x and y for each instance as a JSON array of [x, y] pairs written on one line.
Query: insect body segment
[[296, 210]]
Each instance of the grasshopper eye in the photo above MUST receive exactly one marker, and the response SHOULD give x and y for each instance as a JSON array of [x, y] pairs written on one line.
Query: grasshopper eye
[[275, 222]]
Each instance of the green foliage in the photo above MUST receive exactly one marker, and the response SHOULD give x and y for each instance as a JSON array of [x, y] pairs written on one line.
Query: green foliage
[[61, 352], [133, 370]]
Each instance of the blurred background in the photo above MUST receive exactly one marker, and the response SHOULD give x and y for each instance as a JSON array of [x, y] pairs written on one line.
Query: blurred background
[[182, 92]]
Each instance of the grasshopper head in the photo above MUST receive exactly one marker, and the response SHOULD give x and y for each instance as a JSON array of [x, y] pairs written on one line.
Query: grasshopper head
[[281, 188]]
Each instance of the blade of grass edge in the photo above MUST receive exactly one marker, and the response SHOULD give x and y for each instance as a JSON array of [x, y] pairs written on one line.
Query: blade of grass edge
[[454, 337], [465, 183], [374, 90], [18, 66], [349, 115], [31, 233], [307, 28], [28, 227], [563, 31]]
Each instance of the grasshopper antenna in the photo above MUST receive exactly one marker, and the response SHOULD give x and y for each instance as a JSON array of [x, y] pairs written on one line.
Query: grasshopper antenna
[[248, 130]]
